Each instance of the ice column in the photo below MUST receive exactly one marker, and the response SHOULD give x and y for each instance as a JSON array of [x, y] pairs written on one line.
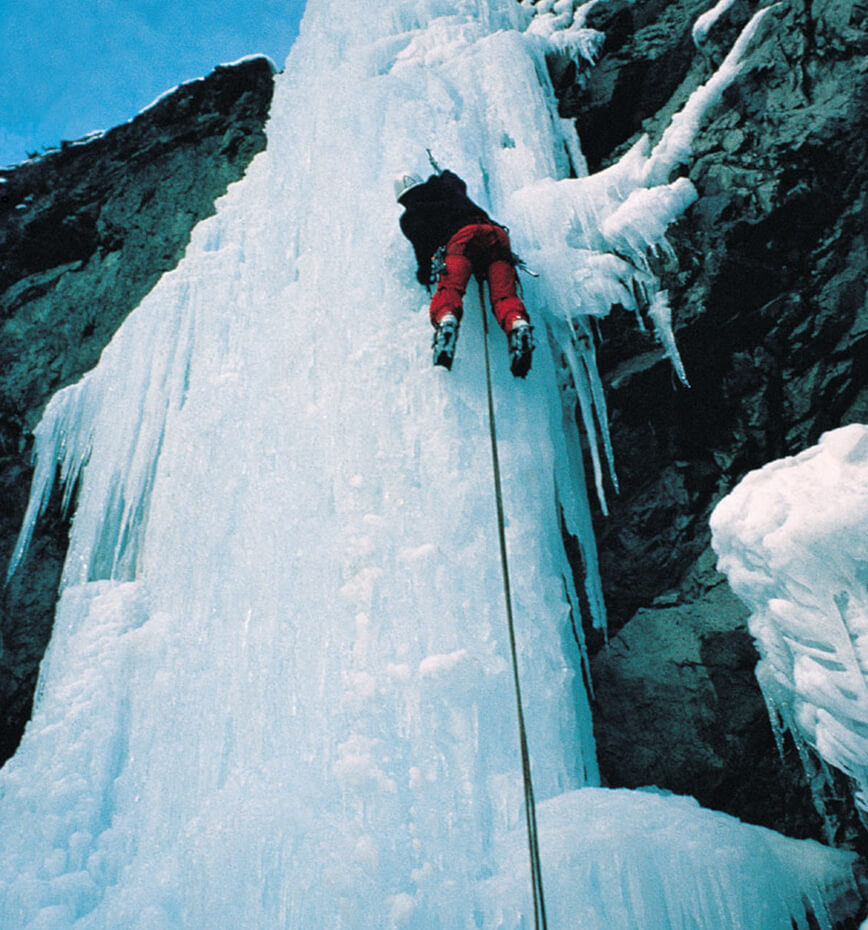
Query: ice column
[[278, 693]]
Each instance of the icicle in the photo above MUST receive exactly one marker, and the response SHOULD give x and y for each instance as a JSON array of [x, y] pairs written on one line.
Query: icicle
[[661, 315], [589, 362], [585, 399], [56, 447], [639, 224]]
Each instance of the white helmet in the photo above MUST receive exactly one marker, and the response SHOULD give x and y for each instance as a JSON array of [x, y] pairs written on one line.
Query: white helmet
[[405, 182]]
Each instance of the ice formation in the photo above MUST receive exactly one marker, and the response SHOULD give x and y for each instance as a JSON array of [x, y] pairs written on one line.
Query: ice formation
[[278, 690], [793, 540], [705, 23], [641, 859]]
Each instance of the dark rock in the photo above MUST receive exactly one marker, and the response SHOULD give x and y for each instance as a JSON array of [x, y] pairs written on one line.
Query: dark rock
[[770, 312], [677, 705], [85, 232], [647, 54]]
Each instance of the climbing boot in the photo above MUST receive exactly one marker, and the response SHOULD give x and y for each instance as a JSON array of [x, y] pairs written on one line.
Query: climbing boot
[[445, 337], [521, 346]]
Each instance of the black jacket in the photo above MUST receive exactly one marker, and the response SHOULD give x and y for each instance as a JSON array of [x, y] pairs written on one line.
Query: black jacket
[[434, 212]]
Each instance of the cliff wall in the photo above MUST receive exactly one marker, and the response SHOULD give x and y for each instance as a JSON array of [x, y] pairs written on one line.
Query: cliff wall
[[768, 296]]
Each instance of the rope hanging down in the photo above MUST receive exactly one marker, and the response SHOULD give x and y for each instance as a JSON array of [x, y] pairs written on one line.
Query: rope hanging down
[[539, 909]]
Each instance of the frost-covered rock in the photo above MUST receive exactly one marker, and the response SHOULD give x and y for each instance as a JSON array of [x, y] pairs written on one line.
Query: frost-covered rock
[[678, 705]]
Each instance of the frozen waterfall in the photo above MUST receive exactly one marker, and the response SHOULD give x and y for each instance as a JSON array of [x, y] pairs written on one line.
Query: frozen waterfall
[[278, 693]]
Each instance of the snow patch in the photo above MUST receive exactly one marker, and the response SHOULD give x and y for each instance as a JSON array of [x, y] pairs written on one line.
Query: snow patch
[[705, 23], [689, 867]]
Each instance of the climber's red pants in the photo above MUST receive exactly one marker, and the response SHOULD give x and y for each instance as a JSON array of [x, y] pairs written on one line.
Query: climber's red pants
[[482, 248]]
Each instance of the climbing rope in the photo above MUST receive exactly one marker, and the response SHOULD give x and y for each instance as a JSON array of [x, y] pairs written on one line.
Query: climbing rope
[[539, 909]]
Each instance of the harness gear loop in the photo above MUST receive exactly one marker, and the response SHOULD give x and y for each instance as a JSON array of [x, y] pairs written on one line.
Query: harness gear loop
[[539, 910]]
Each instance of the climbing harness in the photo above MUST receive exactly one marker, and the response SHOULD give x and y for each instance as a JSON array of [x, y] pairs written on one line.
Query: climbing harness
[[539, 910], [438, 264]]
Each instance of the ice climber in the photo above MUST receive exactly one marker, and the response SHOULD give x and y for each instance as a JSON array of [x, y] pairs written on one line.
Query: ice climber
[[454, 238]]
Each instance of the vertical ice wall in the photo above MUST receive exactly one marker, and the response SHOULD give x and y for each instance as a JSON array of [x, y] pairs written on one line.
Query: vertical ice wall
[[278, 691]]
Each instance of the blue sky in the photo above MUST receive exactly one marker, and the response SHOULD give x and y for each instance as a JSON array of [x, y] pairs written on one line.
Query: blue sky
[[70, 67]]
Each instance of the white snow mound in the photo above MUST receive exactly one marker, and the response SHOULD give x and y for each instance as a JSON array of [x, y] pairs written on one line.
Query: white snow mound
[[792, 538]]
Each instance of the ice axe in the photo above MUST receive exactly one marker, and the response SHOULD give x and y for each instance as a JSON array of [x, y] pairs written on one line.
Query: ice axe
[[433, 161]]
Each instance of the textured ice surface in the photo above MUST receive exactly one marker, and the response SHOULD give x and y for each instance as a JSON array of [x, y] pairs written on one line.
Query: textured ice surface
[[278, 692], [793, 540], [627, 859]]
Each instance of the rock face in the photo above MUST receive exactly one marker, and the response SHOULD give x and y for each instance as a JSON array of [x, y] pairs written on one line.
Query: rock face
[[769, 301], [85, 232]]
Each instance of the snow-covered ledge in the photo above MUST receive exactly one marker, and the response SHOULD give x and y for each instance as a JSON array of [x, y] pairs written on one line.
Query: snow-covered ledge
[[793, 540]]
